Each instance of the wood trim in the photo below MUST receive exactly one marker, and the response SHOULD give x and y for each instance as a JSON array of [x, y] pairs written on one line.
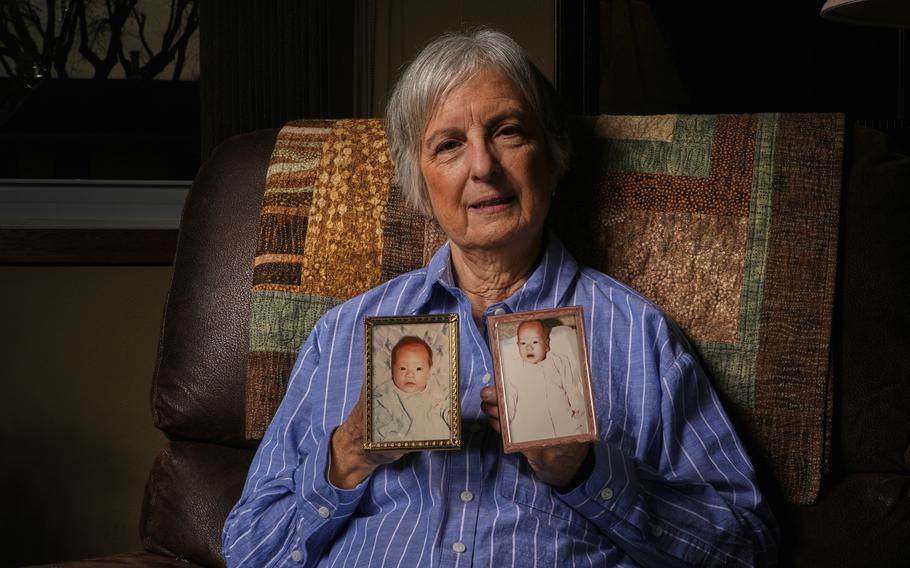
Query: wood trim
[[91, 204], [88, 246]]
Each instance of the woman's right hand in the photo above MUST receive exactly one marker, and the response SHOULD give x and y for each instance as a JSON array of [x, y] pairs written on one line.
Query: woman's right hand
[[350, 463]]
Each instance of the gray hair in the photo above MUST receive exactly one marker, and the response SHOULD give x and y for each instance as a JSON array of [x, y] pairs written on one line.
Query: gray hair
[[446, 62]]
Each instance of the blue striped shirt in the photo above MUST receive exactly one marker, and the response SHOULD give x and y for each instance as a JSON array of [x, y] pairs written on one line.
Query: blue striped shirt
[[671, 483]]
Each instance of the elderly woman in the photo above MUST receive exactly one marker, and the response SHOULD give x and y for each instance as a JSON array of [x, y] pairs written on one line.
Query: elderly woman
[[479, 143]]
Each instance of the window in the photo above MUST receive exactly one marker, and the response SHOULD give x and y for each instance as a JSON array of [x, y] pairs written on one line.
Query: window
[[97, 97]]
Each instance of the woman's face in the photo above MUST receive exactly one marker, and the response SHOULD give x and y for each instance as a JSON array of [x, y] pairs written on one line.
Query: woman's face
[[485, 162]]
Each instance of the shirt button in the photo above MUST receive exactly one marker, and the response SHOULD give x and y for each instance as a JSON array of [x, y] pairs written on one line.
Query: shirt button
[[466, 496], [296, 556], [656, 530], [499, 311], [606, 493], [486, 378], [459, 547], [323, 512]]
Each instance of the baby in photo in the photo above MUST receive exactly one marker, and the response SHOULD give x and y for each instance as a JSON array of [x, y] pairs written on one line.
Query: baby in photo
[[405, 408], [545, 398]]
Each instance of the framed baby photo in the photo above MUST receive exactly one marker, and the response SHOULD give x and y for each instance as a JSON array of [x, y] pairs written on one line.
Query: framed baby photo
[[411, 382], [542, 377]]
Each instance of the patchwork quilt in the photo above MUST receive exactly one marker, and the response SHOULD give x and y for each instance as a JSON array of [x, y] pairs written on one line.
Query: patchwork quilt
[[728, 222]]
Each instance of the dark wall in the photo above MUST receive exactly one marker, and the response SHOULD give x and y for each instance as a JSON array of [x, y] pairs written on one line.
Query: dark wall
[[744, 56], [78, 345], [666, 56], [264, 63]]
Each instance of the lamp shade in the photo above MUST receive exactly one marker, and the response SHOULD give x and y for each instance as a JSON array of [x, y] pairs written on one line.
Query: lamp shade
[[890, 13]]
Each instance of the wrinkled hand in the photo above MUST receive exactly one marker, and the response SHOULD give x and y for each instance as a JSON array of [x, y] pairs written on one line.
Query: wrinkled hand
[[351, 464], [554, 465]]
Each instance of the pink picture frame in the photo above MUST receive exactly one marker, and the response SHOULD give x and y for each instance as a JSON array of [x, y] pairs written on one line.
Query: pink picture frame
[[543, 379]]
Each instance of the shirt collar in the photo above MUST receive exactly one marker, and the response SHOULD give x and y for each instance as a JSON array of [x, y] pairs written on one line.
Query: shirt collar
[[547, 286], [438, 274]]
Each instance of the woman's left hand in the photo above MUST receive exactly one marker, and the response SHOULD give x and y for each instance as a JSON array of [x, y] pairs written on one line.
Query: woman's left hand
[[556, 465]]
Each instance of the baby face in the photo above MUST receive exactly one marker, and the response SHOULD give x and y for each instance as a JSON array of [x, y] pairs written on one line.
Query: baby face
[[411, 368], [533, 342]]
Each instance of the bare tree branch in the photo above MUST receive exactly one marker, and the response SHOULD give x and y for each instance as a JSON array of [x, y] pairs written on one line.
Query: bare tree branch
[[65, 38], [178, 64], [49, 43], [141, 19], [20, 28], [118, 13], [44, 34], [181, 45], [182, 26], [7, 38], [6, 66], [84, 45], [171, 29], [31, 16], [50, 17], [9, 45]]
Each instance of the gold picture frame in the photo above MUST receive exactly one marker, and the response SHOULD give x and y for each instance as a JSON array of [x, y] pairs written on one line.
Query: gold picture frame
[[414, 406], [543, 378]]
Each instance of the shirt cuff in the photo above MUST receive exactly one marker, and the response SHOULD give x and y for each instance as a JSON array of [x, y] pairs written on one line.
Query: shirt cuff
[[611, 487], [320, 501]]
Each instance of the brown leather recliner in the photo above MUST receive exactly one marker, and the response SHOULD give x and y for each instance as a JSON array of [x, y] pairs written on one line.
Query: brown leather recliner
[[862, 518], [198, 385]]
